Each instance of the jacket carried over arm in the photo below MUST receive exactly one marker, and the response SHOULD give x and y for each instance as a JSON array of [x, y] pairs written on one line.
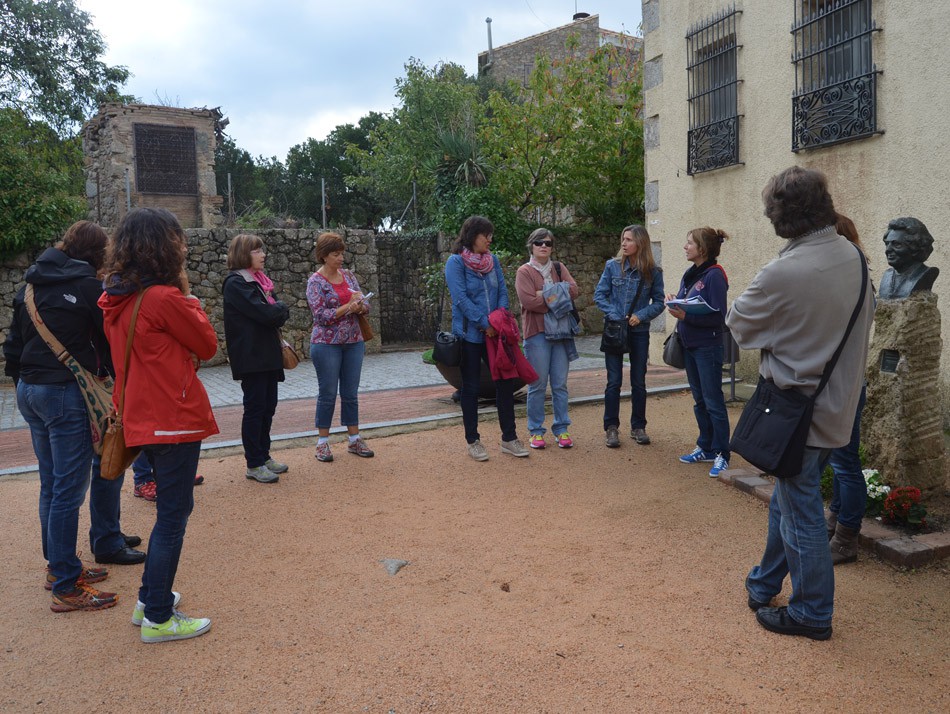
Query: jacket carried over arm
[[251, 326], [796, 311], [533, 306], [165, 401]]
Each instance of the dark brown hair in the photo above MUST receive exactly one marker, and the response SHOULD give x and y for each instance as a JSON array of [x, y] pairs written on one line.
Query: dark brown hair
[[473, 227], [797, 202], [708, 240], [328, 243], [147, 247], [85, 240], [239, 252]]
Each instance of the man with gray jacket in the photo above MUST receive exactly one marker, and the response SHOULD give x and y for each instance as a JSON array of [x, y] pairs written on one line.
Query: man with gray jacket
[[796, 311]]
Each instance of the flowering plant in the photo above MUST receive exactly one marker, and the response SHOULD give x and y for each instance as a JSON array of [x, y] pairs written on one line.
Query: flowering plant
[[902, 506], [877, 492]]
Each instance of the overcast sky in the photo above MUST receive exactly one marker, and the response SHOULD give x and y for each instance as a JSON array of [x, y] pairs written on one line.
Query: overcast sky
[[287, 70]]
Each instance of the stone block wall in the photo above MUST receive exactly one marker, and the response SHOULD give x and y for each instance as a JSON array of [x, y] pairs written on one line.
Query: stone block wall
[[390, 266], [108, 141]]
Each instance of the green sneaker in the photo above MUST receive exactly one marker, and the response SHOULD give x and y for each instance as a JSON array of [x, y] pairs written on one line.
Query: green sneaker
[[178, 627], [138, 614]]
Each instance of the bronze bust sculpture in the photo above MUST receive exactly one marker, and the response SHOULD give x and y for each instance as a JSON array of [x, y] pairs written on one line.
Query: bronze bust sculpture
[[907, 244]]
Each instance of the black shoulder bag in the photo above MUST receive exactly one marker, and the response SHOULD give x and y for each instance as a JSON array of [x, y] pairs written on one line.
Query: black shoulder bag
[[773, 428], [447, 349], [614, 339]]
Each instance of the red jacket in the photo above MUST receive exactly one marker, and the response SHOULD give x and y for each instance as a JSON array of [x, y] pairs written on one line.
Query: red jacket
[[505, 359], [165, 401]]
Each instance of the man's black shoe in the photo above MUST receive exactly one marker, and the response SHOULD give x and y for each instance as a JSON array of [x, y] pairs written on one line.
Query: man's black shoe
[[131, 541], [754, 604], [777, 619], [123, 556]]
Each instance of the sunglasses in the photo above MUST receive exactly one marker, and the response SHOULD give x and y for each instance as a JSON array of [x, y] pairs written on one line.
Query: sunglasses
[[545, 243]]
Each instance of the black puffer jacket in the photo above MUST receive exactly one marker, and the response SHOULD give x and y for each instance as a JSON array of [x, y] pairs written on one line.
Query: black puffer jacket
[[251, 326], [66, 292]]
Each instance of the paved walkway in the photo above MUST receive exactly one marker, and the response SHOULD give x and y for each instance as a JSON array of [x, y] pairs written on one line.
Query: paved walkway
[[396, 389]]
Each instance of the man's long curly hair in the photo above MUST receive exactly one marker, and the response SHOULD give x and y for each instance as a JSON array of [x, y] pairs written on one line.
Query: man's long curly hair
[[148, 248]]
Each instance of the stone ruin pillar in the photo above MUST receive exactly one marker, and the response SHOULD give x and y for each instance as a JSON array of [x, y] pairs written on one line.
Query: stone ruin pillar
[[902, 423]]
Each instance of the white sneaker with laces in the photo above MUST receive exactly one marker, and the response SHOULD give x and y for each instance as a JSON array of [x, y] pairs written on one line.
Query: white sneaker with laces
[[514, 447]]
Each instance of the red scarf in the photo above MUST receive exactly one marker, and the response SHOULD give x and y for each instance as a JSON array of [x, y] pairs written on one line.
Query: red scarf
[[482, 263], [267, 285]]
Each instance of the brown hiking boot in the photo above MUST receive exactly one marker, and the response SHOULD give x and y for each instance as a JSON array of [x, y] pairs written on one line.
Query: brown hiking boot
[[613, 437], [844, 545], [89, 574], [82, 597]]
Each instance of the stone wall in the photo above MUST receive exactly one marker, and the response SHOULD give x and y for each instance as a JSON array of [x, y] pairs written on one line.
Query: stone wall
[[108, 142], [390, 266]]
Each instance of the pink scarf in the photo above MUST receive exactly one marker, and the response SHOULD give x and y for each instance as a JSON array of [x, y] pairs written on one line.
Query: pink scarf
[[267, 285], [481, 263]]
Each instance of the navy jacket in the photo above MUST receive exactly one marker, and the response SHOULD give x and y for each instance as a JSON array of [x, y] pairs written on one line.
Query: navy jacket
[[251, 327], [705, 330]]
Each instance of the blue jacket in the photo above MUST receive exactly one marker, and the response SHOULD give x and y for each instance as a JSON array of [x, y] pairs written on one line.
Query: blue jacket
[[614, 292], [705, 330], [474, 296]]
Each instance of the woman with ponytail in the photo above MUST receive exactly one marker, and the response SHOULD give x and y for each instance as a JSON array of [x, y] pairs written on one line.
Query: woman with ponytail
[[701, 335]]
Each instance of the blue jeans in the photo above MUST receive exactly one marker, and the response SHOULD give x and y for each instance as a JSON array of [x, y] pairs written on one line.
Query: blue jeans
[[473, 354], [62, 442], [260, 403], [704, 372], [175, 468], [850, 492], [549, 359], [105, 531], [337, 366], [142, 470], [797, 545], [639, 343]]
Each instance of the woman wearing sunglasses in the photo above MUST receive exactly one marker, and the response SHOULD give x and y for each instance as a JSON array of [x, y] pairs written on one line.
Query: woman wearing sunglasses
[[546, 291]]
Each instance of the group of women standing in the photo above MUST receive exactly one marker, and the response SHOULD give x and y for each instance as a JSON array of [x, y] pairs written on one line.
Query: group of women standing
[[631, 290]]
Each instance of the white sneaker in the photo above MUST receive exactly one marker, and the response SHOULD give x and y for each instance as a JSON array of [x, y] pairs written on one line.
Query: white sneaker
[[138, 614], [477, 451], [178, 627], [514, 447]]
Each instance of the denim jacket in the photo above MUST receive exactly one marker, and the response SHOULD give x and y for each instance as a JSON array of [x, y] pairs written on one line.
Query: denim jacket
[[615, 290], [474, 296]]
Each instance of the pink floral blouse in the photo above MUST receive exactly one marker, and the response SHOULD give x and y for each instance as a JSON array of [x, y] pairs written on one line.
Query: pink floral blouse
[[323, 301]]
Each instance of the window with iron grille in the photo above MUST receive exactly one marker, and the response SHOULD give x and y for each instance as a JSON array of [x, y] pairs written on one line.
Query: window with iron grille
[[835, 96], [165, 160], [713, 139]]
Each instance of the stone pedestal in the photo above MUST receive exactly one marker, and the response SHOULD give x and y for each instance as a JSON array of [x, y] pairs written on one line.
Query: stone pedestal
[[902, 423]]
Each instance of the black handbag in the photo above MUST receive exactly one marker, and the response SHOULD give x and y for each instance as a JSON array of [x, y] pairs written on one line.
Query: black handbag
[[773, 429], [673, 351], [613, 341], [447, 349]]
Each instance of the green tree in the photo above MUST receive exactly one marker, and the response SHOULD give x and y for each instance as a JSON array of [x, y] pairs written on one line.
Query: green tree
[[348, 202], [39, 183], [50, 62], [405, 148], [574, 138]]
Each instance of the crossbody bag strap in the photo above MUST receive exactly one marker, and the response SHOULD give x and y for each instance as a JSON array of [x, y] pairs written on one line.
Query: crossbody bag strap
[[826, 375], [62, 354], [636, 297], [128, 349]]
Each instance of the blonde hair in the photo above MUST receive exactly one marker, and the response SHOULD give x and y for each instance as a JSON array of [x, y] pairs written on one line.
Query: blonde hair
[[708, 240], [644, 261]]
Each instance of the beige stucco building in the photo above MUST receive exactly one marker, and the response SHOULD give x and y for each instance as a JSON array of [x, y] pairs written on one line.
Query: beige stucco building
[[857, 87]]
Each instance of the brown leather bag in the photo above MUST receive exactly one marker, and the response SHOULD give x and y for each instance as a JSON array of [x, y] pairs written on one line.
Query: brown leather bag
[[365, 328], [288, 354], [116, 456]]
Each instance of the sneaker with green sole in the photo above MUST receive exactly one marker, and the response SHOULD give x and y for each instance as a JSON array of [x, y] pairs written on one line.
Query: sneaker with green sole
[[262, 474], [178, 627], [276, 467], [138, 614]]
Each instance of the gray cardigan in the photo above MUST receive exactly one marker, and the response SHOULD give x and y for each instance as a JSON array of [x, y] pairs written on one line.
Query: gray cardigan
[[796, 311]]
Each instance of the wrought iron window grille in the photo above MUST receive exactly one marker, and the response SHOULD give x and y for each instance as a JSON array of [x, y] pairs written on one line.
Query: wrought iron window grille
[[165, 160], [711, 66], [835, 97]]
